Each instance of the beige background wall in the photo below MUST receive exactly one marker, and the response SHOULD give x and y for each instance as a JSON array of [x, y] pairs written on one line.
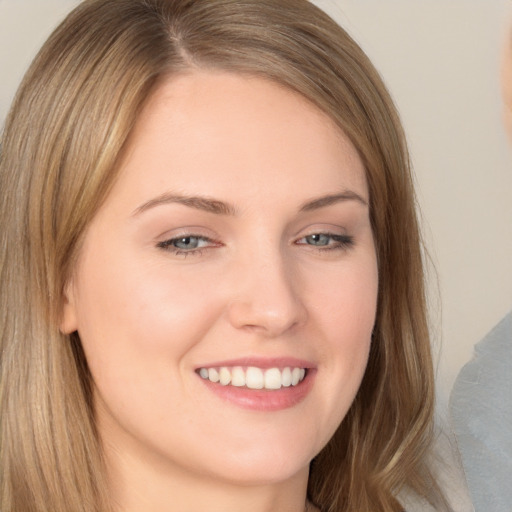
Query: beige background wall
[[440, 59]]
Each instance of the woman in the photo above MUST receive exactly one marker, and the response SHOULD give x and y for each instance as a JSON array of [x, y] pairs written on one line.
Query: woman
[[212, 289]]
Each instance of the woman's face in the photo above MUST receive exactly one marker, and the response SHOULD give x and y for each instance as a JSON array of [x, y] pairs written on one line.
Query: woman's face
[[235, 245]]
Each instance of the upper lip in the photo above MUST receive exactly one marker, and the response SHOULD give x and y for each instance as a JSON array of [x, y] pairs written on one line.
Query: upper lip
[[261, 362]]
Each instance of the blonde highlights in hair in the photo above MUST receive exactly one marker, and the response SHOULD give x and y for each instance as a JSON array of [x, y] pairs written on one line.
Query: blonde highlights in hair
[[65, 133]]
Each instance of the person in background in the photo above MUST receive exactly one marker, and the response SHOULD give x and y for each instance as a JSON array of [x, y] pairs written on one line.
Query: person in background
[[481, 399]]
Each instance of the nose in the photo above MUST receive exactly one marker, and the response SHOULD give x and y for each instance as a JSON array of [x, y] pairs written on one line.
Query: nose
[[267, 297]]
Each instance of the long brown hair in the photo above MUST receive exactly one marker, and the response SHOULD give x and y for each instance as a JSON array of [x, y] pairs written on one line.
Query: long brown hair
[[71, 117]]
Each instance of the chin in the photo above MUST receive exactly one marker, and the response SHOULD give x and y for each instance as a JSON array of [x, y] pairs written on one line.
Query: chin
[[262, 464]]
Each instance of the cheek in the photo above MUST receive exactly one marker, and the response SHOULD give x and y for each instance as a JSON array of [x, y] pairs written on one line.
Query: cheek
[[138, 325], [346, 313], [134, 317], [347, 301]]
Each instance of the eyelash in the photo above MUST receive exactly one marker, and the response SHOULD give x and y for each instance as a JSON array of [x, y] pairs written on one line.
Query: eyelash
[[341, 243], [168, 245]]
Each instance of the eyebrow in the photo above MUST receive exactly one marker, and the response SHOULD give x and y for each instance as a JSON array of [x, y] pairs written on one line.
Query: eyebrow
[[199, 203], [328, 200], [217, 207]]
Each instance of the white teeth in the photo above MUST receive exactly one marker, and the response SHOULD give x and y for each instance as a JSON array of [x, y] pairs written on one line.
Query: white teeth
[[254, 377], [238, 377], [286, 378], [213, 375], [224, 376], [295, 376], [273, 378]]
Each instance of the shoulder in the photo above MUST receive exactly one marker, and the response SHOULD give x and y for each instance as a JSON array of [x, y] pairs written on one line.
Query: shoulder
[[481, 411], [481, 401]]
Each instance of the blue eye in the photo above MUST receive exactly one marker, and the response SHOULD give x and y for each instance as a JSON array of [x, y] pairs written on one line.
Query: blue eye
[[327, 241], [188, 244], [318, 239]]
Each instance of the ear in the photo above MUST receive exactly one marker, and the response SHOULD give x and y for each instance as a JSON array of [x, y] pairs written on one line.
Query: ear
[[69, 320]]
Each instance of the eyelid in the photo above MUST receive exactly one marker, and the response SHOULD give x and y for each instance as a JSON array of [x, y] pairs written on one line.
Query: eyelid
[[167, 243], [342, 241]]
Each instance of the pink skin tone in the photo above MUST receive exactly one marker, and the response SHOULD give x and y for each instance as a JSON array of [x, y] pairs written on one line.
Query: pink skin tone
[[257, 289], [506, 84]]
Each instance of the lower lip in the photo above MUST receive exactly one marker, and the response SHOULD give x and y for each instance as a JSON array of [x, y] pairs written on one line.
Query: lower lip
[[261, 399]]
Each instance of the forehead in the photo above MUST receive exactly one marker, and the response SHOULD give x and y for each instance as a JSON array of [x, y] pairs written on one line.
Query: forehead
[[219, 126]]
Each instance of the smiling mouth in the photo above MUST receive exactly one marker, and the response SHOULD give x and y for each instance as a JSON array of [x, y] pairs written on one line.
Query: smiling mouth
[[253, 377]]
